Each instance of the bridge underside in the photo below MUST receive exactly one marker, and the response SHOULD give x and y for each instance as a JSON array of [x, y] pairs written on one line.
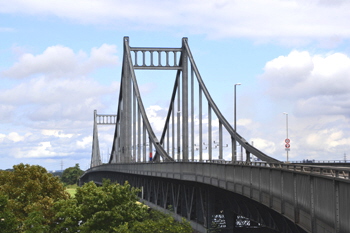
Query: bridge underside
[[205, 206]]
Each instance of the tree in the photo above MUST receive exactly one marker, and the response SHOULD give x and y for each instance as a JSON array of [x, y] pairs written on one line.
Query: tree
[[159, 222], [33, 200], [30, 192], [71, 175], [8, 222], [110, 208]]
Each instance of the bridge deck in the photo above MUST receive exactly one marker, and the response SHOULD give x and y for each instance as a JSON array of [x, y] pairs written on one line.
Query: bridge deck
[[315, 198]]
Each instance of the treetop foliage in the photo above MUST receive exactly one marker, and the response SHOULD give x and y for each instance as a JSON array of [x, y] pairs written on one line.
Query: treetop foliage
[[33, 200], [30, 190], [112, 208], [71, 175]]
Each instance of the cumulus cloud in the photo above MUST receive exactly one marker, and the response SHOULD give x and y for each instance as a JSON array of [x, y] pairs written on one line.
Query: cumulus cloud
[[60, 62], [56, 133], [264, 145], [13, 137], [156, 115], [52, 96], [293, 21], [44, 149], [47, 99], [318, 84], [46, 143], [315, 88], [86, 142], [56, 84]]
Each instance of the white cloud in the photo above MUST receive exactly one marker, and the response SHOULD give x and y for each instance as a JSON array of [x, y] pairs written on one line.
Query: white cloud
[[156, 116], [314, 90], [245, 122], [6, 111], [86, 142], [39, 144], [52, 97], [42, 98], [61, 62], [56, 133], [317, 84], [44, 149], [14, 137], [55, 84], [292, 21], [264, 145]]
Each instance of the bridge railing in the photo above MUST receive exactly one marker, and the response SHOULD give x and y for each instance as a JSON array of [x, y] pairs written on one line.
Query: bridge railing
[[330, 171], [320, 161]]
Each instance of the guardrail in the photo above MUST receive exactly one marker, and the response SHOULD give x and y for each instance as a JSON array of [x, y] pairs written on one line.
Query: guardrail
[[321, 161], [311, 169]]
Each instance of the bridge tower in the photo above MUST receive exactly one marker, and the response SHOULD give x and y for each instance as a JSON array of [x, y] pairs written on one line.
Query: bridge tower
[[189, 133], [99, 119], [95, 156]]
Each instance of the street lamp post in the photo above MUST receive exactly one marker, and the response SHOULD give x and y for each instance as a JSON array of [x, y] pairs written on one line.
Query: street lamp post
[[235, 120], [287, 142]]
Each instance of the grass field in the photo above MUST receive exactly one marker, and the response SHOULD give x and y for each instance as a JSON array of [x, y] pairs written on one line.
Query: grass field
[[71, 189]]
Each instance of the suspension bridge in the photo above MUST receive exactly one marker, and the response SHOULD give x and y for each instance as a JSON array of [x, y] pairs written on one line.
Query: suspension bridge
[[188, 171]]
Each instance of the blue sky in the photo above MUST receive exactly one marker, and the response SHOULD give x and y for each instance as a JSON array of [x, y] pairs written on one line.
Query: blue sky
[[60, 60]]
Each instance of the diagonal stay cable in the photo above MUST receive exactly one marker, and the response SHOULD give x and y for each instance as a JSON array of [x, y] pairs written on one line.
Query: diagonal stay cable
[[145, 120], [227, 125], [171, 104], [118, 117]]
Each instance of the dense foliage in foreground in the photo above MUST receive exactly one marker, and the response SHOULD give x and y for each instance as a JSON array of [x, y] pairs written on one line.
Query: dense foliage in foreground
[[32, 200], [27, 195], [111, 208]]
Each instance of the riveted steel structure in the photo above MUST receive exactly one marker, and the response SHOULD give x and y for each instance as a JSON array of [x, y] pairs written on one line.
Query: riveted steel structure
[[281, 197], [99, 119], [187, 175], [135, 140]]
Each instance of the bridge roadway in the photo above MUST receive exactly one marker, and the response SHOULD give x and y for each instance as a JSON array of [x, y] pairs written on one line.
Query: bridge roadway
[[282, 197]]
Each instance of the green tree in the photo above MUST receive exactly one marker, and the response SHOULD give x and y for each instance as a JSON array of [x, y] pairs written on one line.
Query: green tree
[[71, 175], [31, 192], [110, 208], [8, 223], [159, 222]]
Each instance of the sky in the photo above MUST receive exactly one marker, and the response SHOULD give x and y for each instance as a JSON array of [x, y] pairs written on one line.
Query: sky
[[60, 60]]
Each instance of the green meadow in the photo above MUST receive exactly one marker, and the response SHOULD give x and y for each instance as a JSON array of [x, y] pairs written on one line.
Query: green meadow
[[71, 189]]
